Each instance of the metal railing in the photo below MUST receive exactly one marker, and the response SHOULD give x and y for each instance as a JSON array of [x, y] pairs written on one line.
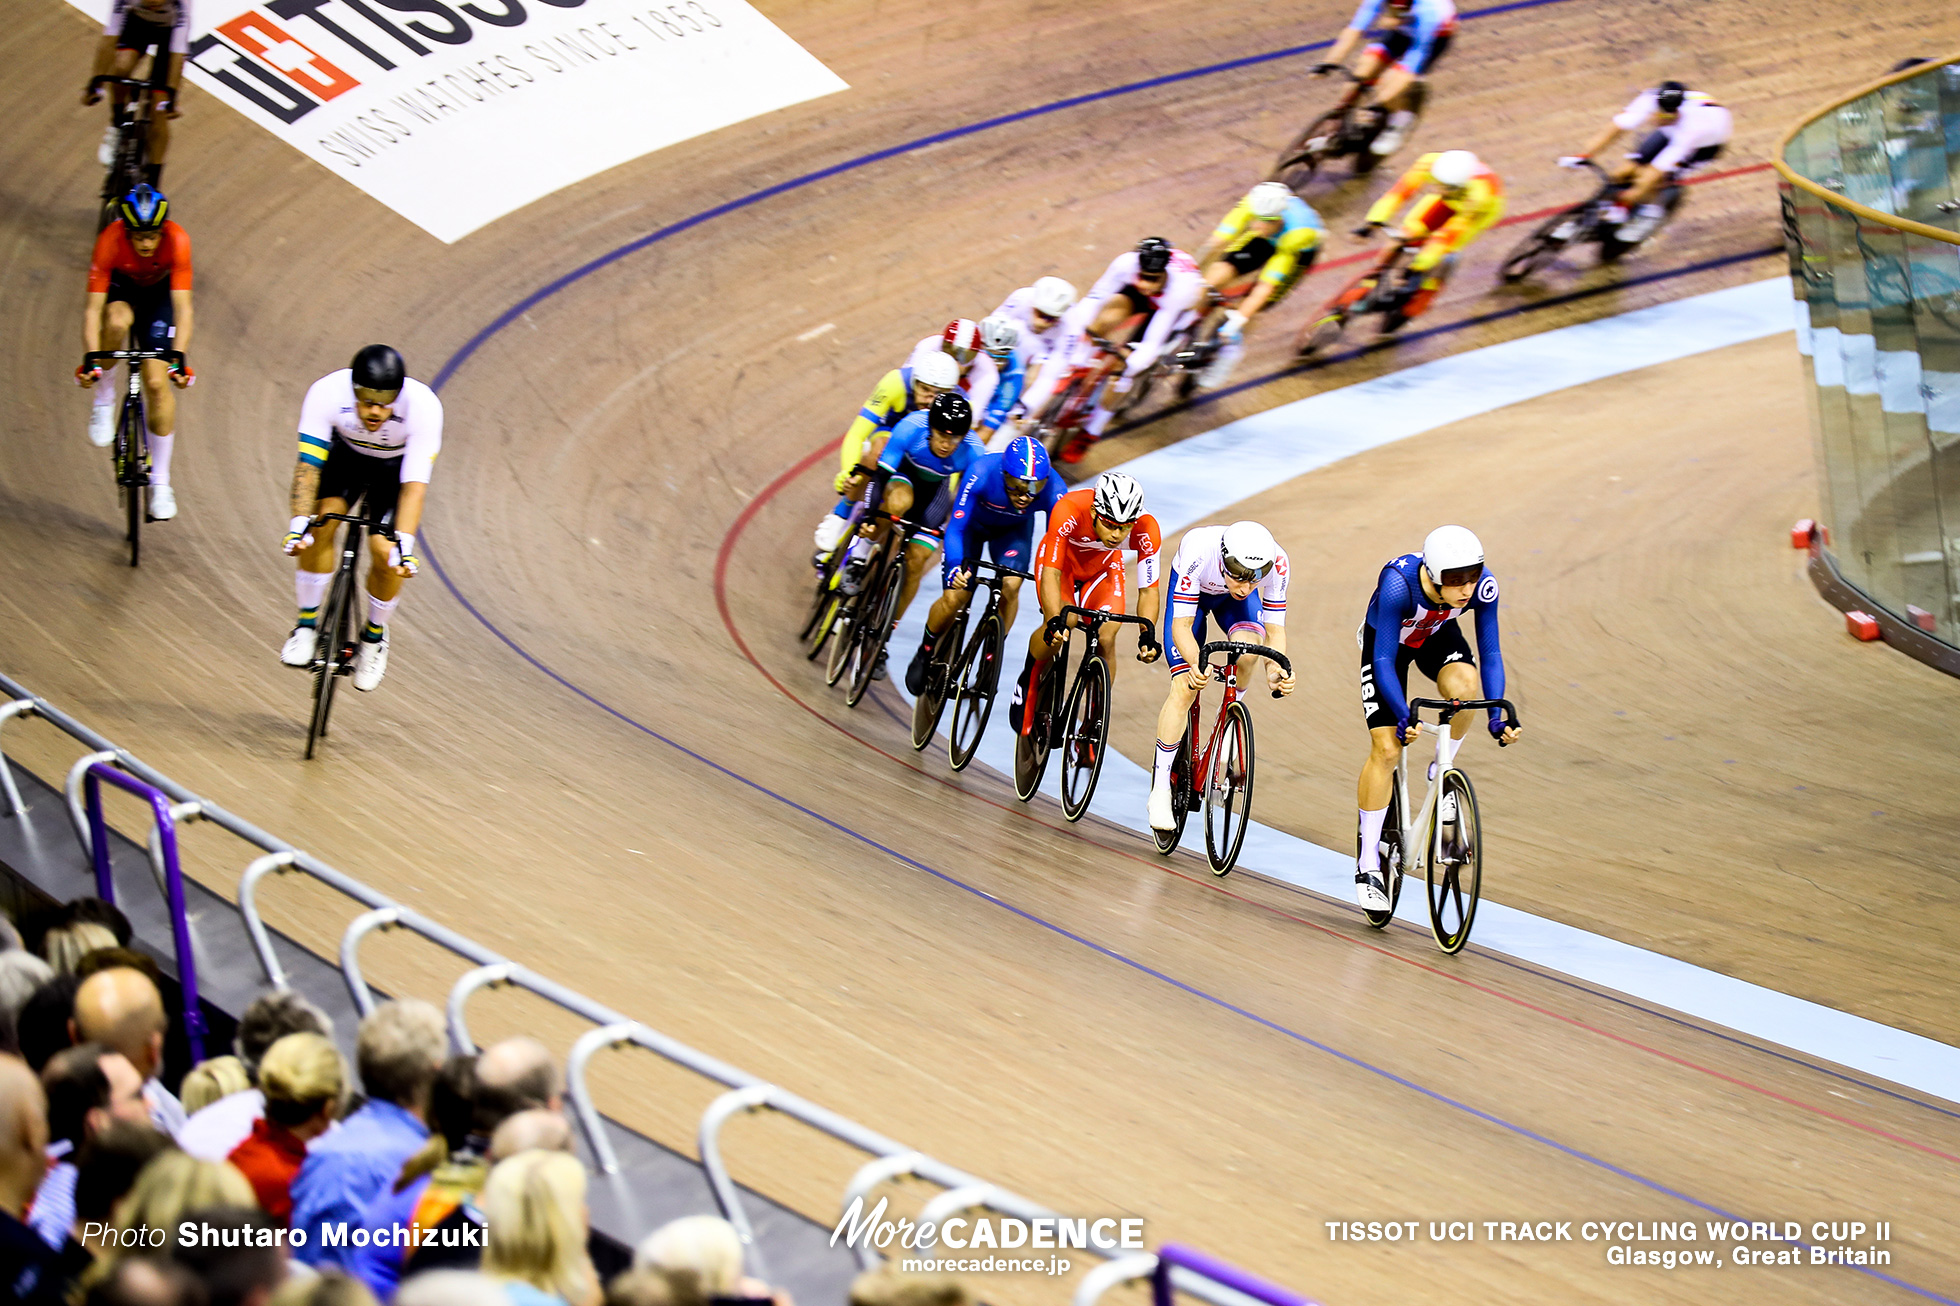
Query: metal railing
[[747, 1093]]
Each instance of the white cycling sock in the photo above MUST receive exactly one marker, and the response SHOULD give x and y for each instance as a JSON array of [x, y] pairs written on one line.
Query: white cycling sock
[[1446, 748], [160, 450], [1098, 419], [311, 587], [1371, 839], [860, 549], [1160, 777], [379, 610], [105, 390]]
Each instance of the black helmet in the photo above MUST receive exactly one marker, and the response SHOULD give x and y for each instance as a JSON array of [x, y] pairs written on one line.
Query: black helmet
[[951, 412], [1153, 255], [380, 369], [1668, 96]]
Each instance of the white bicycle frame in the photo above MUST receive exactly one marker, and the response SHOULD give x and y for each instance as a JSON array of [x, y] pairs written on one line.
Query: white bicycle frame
[[1431, 843]]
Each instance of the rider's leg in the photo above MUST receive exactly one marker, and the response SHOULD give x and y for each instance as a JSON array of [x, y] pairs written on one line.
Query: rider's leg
[[159, 136], [1172, 719], [316, 563], [1010, 595], [919, 555], [160, 408], [117, 317], [1457, 680], [1373, 792], [384, 589]]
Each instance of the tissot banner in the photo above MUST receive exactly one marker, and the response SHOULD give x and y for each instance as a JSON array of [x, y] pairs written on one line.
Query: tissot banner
[[454, 114]]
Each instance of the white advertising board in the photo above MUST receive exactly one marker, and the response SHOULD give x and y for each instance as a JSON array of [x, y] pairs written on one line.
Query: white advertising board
[[454, 114]]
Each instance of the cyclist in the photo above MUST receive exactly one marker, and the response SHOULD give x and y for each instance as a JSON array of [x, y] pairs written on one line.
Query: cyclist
[[998, 498], [1081, 562], [1412, 619], [1416, 34], [1235, 575], [368, 432], [1038, 308], [1470, 198], [1689, 130], [1144, 296], [1000, 340], [162, 27], [925, 455], [979, 376], [901, 391], [1263, 247], [139, 290]]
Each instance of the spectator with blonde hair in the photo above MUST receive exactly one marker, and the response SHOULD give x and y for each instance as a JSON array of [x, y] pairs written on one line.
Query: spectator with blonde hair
[[535, 1205], [65, 945], [330, 1288], [173, 1185], [210, 1080], [701, 1253], [227, 1122], [890, 1287], [302, 1080]]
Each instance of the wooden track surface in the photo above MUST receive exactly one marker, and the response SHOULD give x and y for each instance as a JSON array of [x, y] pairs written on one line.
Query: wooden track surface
[[1216, 1062]]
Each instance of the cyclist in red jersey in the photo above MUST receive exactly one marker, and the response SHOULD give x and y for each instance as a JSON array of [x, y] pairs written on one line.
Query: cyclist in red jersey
[[139, 289], [1080, 561]]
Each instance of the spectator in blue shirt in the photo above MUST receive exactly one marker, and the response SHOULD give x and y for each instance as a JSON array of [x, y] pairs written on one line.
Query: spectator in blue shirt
[[399, 1051]]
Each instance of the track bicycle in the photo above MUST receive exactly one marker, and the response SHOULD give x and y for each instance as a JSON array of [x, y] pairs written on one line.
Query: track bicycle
[[1061, 422], [828, 598], [132, 154], [131, 450], [1081, 729], [868, 615], [1221, 776], [965, 671], [1584, 223], [1446, 829], [1374, 291], [334, 646], [1344, 130]]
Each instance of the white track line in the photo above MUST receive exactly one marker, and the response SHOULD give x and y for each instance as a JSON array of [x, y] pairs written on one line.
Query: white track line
[[1197, 479]]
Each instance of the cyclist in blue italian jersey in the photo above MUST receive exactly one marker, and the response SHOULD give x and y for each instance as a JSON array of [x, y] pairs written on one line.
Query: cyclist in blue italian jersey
[[1412, 619], [1000, 339], [926, 453], [1414, 36], [998, 498]]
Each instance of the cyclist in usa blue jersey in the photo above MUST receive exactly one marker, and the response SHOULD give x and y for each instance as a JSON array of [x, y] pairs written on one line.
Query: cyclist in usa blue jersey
[[1412, 619], [998, 498]]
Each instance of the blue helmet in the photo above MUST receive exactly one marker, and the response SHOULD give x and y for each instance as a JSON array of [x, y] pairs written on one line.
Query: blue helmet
[[143, 209], [1027, 459]]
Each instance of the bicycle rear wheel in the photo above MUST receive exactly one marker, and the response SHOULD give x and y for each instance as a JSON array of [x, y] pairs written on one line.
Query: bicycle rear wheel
[[975, 680], [930, 705], [1390, 858], [1049, 429], [1032, 746], [1085, 731], [1167, 840], [832, 610], [1455, 864], [876, 627], [326, 653], [1542, 246], [1228, 790], [1298, 162], [842, 633]]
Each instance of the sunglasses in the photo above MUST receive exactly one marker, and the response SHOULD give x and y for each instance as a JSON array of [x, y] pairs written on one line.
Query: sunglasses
[[1241, 573], [380, 398]]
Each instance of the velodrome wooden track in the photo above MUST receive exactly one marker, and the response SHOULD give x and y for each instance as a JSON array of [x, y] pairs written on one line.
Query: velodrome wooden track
[[1054, 1008]]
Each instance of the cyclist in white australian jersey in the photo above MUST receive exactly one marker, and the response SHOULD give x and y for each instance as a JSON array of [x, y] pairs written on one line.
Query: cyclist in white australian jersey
[[367, 434]]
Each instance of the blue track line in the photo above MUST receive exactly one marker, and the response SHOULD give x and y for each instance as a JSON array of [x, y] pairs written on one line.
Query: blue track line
[[552, 288]]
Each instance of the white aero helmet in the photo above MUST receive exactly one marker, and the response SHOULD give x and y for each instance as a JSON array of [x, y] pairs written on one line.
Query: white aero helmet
[[1455, 168], [1119, 496], [1053, 296], [1452, 551], [1267, 200], [1248, 551], [938, 370], [999, 335]]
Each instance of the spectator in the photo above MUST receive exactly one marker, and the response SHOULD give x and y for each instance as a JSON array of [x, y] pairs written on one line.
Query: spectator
[[145, 1281], [110, 958], [535, 1205], [704, 1247], [109, 1164], [9, 936], [449, 1248], [652, 1288], [175, 1184], [122, 1009], [44, 1025], [31, 1272], [20, 974], [889, 1287], [452, 1115], [302, 1081], [399, 1053], [451, 1288], [65, 945], [87, 1087], [227, 1122], [242, 1274], [515, 1075], [95, 910], [329, 1289], [210, 1080]]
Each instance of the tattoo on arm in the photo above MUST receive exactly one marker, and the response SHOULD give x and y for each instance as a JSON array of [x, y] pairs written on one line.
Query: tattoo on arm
[[306, 489]]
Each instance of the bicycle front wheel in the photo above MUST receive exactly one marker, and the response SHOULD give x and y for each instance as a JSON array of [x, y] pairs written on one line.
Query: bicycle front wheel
[[326, 654], [1455, 863], [1228, 790], [975, 679], [1085, 732]]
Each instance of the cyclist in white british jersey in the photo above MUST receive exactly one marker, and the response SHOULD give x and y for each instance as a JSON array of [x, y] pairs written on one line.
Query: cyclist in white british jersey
[[367, 433], [1156, 280], [1235, 575], [1039, 309], [1689, 129]]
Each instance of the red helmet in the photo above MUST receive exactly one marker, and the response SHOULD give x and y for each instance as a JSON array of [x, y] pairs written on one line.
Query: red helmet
[[961, 339]]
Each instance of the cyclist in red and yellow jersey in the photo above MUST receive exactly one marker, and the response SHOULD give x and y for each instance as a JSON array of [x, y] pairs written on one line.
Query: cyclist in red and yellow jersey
[[1468, 200], [139, 289]]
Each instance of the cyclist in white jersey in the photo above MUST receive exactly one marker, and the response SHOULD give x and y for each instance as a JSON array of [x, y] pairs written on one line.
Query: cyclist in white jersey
[[1236, 576], [1039, 309], [132, 27], [367, 433], [1689, 129]]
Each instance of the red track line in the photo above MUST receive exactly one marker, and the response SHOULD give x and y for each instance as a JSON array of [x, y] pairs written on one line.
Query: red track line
[[776, 486]]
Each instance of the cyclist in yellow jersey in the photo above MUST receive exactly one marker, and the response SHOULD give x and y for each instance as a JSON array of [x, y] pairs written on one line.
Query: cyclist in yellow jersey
[[901, 391], [1468, 200], [1261, 249]]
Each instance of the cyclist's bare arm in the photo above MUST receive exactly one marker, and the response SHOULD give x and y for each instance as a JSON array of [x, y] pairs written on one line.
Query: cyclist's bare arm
[[1606, 136], [175, 81], [1187, 648], [408, 507], [1150, 605], [180, 305], [305, 500], [1276, 641], [105, 59], [1344, 44], [92, 320]]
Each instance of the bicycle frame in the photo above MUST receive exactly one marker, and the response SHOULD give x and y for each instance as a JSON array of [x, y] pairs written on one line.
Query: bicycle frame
[[132, 442], [333, 644]]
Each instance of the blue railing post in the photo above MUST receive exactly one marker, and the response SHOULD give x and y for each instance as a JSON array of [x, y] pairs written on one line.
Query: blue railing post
[[105, 885]]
